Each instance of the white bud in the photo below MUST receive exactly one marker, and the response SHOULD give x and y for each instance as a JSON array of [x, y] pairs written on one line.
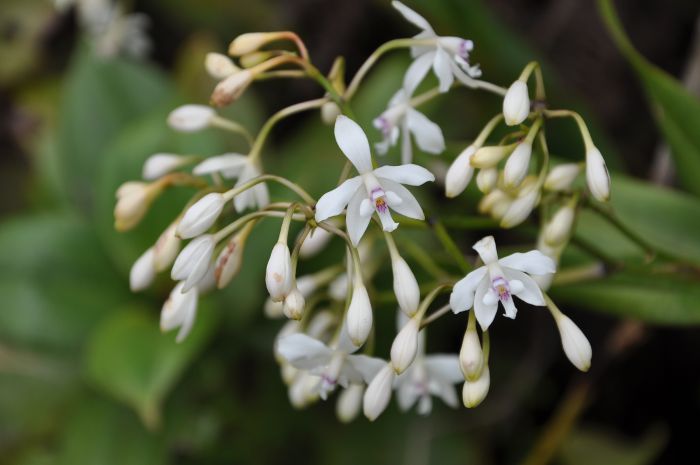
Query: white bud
[[349, 403], [460, 173], [231, 88], [378, 393], [190, 118], [160, 164], [303, 391], [474, 392], [516, 104], [517, 165], [316, 241], [405, 286], [192, 264], [142, 272], [562, 176], [471, 357], [490, 156], [288, 372], [329, 113], [559, 227], [133, 200], [278, 275], [166, 248], [597, 175], [405, 346], [201, 215], [273, 309], [490, 200], [219, 66], [179, 311], [359, 315], [576, 346], [229, 261], [294, 305], [251, 42], [521, 207], [486, 179]]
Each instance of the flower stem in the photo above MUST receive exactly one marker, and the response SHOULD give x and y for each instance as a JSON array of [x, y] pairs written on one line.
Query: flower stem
[[271, 177], [450, 246], [227, 124]]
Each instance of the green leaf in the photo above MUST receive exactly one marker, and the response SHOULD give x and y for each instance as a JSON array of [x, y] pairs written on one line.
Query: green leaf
[[129, 358], [676, 110]]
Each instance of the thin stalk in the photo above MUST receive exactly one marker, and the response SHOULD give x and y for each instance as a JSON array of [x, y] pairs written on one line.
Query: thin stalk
[[450, 246]]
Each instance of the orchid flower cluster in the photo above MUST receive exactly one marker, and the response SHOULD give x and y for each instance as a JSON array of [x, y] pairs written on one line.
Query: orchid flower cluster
[[328, 341]]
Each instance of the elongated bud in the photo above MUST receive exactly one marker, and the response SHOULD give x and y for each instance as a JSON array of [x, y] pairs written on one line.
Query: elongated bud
[[179, 311], [252, 41], [359, 315], [517, 165], [219, 66], [278, 275], [491, 155], [405, 286], [190, 118], [166, 248], [142, 272], [160, 164], [597, 175], [574, 342], [201, 215], [460, 173], [133, 201], [521, 207], [561, 177], [487, 202], [302, 392], [231, 88], [294, 305], [192, 264], [349, 403], [378, 393], [329, 113], [474, 392], [315, 241], [255, 58], [516, 104], [229, 261], [405, 346], [486, 179], [557, 230], [273, 309], [471, 357]]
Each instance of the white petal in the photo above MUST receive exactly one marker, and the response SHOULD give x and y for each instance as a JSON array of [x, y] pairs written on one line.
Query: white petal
[[443, 69], [462, 297], [230, 162], [428, 135], [484, 313], [445, 391], [368, 367], [445, 367], [530, 291], [510, 309], [406, 394], [304, 352], [409, 206], [417, 71], [532, 262], [353, 142], [355, 222], [412, 16], [332, 203], [412, 175]]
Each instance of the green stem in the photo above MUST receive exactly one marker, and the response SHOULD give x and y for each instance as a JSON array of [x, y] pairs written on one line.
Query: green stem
[[451, 247], [272, 177], [223, 123]]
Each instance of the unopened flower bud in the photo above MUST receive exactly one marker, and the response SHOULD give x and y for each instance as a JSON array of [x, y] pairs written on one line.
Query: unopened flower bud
[[278, 275], [562, 176], [273, 309], [255, 58], [460, 173], [517, 165], [521, 207], [490, 156], [474, 392], [201, 215], [190, 118], [315, 241], [142, 272], [329, 113], [166, 248], [378, 393], [219, 66], [133, 200], [302, 391], [231, 88], [597, 175], [405, 286], [251, 42], [488, 201], [557, 230], [486, 179], [575, 344], [192, 264], [160, 164], [349, 403], [471, 357], [405, 346], [516, 104], [229, 261], [294, 305], [359, 315], [180, 311]]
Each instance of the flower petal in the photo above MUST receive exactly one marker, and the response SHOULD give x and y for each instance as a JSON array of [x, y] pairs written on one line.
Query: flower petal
[[332, 203], [533, 262], [412, 175], [428, 134], [406, 394], [484, 313], [412, 16], [445, 391], [355, 222], [443, 69], [304, 352], [353, 142], [530, 292], [462, 297], [445, 367], [230, 162], [368, 367], [408, 206], [416, 72]]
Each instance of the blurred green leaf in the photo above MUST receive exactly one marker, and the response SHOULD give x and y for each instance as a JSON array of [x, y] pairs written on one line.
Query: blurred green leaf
[[129, 358], [675, 109], [594, 446]]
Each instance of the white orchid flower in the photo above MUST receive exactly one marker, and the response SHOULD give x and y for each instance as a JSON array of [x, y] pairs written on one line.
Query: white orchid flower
[[373, 190], [448, 56], [235, 165], [500, 280], [401, 118]]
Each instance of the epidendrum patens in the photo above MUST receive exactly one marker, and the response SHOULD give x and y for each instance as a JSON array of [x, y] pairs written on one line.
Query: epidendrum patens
[[325, 346]]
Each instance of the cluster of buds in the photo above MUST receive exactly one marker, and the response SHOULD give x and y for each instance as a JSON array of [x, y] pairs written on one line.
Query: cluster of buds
[[327, 341]]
